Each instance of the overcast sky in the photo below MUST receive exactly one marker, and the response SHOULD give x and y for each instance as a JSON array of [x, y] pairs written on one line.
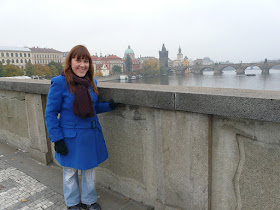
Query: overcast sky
[[234, 30]]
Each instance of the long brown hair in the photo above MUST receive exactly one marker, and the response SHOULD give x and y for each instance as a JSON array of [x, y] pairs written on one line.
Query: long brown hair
[[79, 52]]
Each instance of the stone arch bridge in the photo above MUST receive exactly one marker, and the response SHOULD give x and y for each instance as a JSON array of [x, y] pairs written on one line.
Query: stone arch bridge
[[218, 68]]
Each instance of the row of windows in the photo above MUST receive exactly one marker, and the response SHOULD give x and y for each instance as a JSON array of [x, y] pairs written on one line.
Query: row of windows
[[45, 62], [108, 62], [46, 56], [16, 54], [25, 61], [27, 55], [15, 61]]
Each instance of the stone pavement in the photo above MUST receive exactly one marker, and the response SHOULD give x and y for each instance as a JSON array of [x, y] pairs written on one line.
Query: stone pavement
[[28, 184]]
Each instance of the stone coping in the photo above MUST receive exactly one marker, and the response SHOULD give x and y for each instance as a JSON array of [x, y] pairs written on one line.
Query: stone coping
[[239, 103]]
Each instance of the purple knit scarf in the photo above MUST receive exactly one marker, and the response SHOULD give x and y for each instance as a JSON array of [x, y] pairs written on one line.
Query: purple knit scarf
[[82, 105]]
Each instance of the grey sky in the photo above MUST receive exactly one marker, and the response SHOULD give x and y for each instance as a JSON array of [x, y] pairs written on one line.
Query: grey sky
[[235, 30]]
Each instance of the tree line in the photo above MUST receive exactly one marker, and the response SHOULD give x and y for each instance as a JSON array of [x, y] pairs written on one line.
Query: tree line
[[10, 70], [50, 70], [150, 67]]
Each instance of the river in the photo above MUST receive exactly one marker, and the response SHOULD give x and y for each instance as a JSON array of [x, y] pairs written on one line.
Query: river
[[228, 79]]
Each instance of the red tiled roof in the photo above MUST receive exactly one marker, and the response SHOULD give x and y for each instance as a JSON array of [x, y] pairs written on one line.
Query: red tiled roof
[[94, 57], [113, 57], [109, 57]]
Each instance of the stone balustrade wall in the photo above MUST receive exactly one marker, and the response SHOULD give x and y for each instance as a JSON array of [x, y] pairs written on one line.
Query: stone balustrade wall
[[169, 147]]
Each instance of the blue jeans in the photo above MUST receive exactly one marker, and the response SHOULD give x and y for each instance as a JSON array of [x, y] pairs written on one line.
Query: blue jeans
[[72, 194]]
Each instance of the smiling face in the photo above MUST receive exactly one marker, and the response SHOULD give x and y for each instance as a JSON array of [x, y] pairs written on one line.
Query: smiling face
[[80, 66]]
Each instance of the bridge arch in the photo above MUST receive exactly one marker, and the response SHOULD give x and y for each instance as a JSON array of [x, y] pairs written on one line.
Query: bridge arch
[[271, 66], [257, 71], [221, 69], [204, 68], [228, 66], [255, 65]]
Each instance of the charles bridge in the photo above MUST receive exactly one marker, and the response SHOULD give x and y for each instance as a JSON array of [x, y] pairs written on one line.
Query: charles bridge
[[218, 67], [172, 148]]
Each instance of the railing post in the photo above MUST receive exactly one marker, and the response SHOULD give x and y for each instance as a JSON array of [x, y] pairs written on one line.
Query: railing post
[[39, 144]]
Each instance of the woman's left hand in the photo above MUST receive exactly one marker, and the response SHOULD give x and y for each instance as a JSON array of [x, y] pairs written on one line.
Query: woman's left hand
[[112, 104]]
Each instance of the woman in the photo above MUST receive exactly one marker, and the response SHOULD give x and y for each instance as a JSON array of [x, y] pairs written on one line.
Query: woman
[[77, 134]]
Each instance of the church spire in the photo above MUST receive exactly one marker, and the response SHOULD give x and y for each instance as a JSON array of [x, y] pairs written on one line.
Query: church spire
[[163, 48]]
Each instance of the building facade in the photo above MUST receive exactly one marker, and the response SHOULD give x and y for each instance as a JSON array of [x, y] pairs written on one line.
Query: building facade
[[185, 62], [207, 61], [17, 56], [170, 63], [142, 59], [46, 55], [103, 69], [109, 61]]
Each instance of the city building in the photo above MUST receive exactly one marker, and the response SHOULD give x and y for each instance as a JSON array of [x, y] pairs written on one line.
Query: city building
[[185, 61], [64, 55], [45, 55], [170, 63], [198, 62], [190, 61], [163, 57], [207, 61], [179, 55], [110, 61], [142, 59], [176, 63], [130, 53], [179, 59], [135, 62], [103, 69], [17, 56]]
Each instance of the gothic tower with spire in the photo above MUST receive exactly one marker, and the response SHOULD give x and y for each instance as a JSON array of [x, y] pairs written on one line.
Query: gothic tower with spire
[[163, 57], [179, 55]]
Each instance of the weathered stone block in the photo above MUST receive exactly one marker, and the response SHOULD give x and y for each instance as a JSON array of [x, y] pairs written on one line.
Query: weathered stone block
[[182, 159], [245, 158], [130, 168], [13, 126]]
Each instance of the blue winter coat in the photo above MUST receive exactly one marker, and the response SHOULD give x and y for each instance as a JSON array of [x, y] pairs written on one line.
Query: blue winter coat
[[83, 137]]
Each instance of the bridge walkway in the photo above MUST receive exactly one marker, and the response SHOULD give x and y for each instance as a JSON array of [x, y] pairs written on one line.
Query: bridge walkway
[[28, 184]]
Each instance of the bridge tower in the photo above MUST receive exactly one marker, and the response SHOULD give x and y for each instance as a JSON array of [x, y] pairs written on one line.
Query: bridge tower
[[179, 55], [163, 57]]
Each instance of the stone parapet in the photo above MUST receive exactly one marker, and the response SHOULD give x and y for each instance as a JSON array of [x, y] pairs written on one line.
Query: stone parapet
[[241, 103]]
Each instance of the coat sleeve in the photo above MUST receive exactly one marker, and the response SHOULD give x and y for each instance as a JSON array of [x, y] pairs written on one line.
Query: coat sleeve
[[101, 107], [54, 104]]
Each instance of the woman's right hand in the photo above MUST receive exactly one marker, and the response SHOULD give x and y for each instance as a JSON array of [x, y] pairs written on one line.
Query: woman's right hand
[[60, 147]]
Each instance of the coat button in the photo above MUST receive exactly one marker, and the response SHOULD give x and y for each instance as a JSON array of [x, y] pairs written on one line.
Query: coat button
[[93, 102]]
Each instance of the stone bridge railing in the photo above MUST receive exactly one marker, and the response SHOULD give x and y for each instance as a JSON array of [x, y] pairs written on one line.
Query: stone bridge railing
[[169, 147]]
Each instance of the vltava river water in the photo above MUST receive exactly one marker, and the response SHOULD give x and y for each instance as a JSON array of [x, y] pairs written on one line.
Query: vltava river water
[[228, 79]]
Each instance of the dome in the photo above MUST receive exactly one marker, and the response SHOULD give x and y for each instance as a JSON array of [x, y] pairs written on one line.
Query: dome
[[129, 50]]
